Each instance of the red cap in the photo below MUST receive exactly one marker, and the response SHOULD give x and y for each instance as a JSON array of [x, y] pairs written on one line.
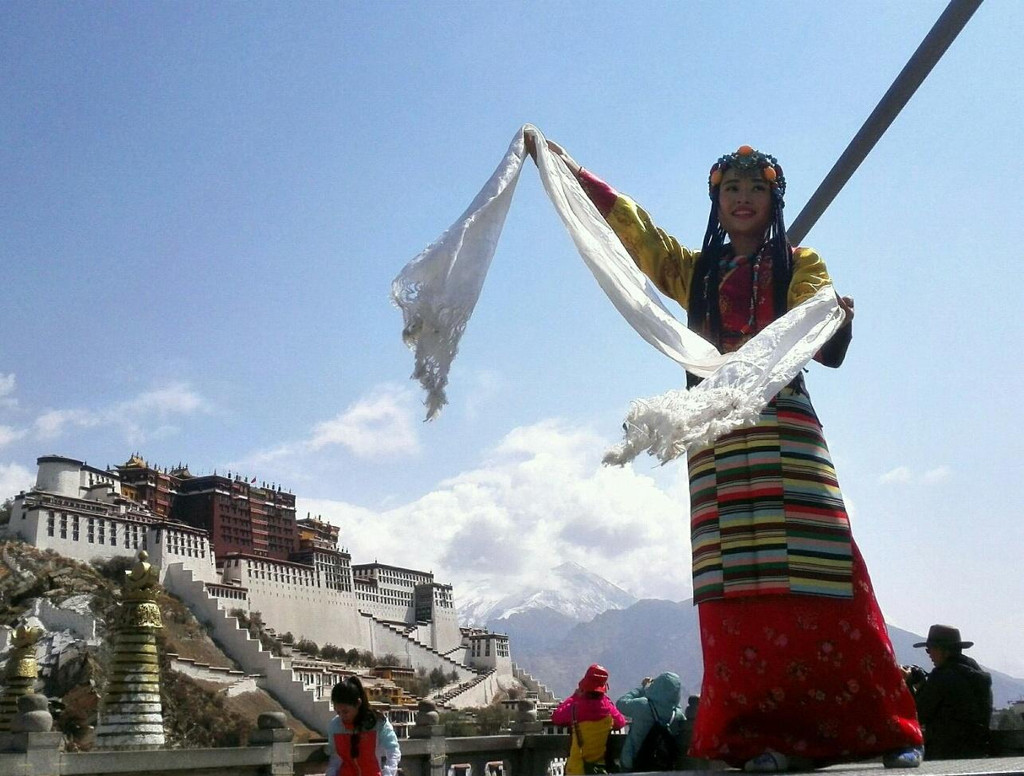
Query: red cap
[[595, 680]]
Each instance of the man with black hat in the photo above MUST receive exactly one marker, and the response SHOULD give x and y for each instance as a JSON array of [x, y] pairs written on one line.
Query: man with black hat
[[954, 701]]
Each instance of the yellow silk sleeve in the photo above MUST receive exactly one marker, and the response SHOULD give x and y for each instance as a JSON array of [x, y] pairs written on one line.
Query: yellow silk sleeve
[[809, 276], [658, 254]]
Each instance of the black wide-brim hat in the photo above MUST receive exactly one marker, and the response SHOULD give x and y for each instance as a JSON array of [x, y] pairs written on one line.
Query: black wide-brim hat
[[944, 636]]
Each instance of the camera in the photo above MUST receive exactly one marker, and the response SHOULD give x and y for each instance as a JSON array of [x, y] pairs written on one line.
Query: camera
[[916, 675]]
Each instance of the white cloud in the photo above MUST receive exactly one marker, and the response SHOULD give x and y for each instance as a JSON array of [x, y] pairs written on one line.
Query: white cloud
[[903, 474], [937, 474], [380, 425], [53, 423], [377, 426], [140, 417], [14, 478], [899, 474], [8, 435], [174, 399], [541, 498], [7, 390]]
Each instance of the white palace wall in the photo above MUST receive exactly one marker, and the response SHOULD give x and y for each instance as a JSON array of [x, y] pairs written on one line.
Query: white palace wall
[[87, 531], [444, 629], [78, 512], [291, 598]]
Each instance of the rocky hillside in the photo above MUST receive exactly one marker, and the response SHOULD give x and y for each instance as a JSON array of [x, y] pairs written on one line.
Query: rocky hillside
[[72, 670]]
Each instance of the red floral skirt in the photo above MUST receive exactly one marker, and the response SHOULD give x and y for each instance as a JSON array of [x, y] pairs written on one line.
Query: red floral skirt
[[805, 676]]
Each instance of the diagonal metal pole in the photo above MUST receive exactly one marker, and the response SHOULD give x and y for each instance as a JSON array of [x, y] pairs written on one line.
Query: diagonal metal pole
[[934, 45]]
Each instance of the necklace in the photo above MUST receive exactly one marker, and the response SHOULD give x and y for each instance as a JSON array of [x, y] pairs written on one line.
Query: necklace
[[728, 263]]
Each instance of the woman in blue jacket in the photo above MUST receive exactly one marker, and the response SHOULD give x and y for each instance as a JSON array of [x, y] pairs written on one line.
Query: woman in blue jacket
[[655, 700]]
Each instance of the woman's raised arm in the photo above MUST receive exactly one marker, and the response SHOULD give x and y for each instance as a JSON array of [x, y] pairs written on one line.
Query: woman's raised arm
[[557, 150]]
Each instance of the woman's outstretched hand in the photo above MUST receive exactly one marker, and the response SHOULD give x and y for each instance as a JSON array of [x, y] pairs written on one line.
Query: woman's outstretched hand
[[846, 302], [553, 147]]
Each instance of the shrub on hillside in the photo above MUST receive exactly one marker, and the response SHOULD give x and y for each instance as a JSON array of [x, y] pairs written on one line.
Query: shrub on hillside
[[417, 686], [331, 652], [491, 720], [458, 723], [438, 678]]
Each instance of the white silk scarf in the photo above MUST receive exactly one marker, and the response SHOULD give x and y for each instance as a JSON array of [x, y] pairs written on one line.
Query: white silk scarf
[[438, 290]]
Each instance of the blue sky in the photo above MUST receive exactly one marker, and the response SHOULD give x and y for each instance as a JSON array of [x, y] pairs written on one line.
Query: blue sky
[[204, 206]]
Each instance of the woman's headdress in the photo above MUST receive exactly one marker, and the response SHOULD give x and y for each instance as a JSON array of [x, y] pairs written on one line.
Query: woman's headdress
[[748, 159], [703, 312]]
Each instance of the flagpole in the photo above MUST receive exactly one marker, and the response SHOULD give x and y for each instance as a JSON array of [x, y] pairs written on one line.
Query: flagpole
[[934, 45]]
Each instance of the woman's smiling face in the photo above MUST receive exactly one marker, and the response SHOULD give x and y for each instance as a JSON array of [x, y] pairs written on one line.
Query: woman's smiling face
[[744, 205]]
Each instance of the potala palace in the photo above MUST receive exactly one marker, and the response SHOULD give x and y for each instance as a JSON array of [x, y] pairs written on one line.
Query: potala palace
[[224, 543]]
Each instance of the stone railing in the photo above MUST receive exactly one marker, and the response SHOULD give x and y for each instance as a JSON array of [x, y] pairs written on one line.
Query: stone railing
[[32, 750]]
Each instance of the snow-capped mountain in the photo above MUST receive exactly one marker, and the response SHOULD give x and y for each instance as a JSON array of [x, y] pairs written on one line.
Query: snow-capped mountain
[[570, 590]]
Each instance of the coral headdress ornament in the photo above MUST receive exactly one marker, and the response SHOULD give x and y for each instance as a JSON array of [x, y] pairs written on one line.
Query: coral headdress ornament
[[748, 159]]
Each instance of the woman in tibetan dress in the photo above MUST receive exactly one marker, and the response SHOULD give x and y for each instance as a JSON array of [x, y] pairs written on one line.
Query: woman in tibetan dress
[[799, 671]]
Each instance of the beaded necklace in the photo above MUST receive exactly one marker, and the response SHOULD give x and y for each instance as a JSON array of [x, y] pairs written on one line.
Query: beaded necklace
[[731, 262]]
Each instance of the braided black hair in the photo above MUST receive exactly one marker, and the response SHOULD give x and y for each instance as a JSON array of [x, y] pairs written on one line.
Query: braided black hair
[[704, 314]]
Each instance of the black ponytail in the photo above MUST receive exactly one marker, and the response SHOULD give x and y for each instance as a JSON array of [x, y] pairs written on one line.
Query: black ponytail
[[350, 691]]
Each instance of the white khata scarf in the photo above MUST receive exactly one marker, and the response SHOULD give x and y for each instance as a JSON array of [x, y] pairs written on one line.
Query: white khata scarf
[[438, 290]]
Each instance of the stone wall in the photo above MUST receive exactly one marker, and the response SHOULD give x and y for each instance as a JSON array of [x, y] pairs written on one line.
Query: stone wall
[[291, 599], [386, 639], [73, 615], [278, 678]]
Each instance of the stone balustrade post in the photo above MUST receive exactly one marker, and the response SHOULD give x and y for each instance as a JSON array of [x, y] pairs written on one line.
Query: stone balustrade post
[[428, 726], [526, 760], [20, 672], [31, 735], [272, 730]]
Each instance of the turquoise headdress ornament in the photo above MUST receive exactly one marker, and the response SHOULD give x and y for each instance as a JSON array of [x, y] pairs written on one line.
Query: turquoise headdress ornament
[[748, 159]]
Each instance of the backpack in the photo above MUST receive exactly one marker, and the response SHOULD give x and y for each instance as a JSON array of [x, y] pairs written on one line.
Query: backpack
[[660, 749]]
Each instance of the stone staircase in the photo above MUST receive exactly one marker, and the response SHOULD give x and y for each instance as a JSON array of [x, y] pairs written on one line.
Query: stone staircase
[[412, 646], [277, 677], [233, 681], [544, 695], [445, 696]]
